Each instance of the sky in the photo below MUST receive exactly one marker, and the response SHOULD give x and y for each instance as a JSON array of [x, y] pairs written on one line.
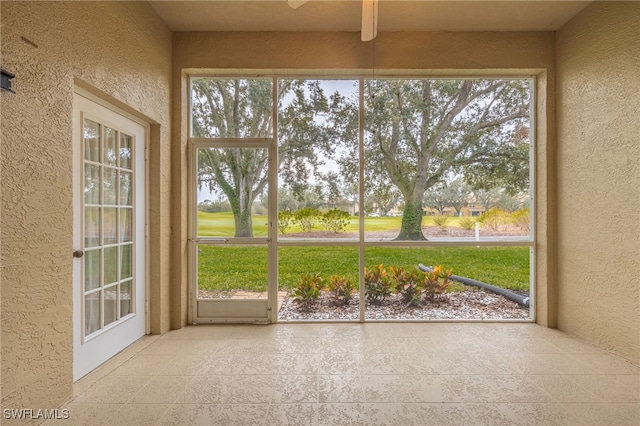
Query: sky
[[347, 88]]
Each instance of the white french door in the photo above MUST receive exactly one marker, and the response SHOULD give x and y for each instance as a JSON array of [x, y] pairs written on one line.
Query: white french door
[[109, 211]]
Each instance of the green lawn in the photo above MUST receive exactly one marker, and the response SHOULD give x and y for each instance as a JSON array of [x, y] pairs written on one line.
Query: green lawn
[[222, 224], [224, 268]]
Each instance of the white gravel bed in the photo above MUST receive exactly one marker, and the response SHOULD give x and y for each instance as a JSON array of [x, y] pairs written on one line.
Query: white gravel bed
[[465, 305]]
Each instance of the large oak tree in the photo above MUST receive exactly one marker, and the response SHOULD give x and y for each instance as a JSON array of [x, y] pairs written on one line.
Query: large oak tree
[[418, 132], [310, 125], [421, 131]]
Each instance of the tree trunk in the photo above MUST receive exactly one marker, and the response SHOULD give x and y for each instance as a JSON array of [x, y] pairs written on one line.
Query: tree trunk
[[244, 223], [241, 203], [412, 221]]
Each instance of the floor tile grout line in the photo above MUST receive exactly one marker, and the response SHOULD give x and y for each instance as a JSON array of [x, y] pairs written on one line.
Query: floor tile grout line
[[360, 373]]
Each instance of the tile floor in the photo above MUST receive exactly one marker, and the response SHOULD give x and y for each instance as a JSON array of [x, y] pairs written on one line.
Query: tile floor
[[360, 374]]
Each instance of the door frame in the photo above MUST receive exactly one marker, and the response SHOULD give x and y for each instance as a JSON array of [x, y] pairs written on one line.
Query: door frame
[[76, 169], [250, 310]]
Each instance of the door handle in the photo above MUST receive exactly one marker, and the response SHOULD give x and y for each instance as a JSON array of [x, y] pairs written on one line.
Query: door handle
[[78, 254]]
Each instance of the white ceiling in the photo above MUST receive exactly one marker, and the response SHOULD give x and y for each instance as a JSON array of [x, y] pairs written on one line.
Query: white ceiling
[[344, 15]]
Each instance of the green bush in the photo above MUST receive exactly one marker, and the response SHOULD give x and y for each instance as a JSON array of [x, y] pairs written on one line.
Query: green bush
[[285, 220], [407, 284], [494, 219], [377, 284], [307, 218], [435, 282], [335, 220], [520, 218], [415, 285], [441, 221], [341, 288], [308, 288], [467, 223], [214, 206]]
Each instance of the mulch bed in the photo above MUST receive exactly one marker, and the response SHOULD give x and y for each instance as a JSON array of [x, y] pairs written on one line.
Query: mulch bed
[[471, 304]]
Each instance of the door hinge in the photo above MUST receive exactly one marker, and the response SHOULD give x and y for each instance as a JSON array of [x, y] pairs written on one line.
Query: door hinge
[[146, 230], [146, 307], [146, 153]]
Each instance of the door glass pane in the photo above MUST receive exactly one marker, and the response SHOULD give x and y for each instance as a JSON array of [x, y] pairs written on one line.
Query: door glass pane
[[91, 227], [232, 192], [126, 148], [126, 224], [110, 265], [126, 262], [110, 186], [110, 146], [125, 298], [321, 283], [229, 271], [126, 190], [110, 225], [91, 184], [232, 108], [110, 304], [91, 141], [91, 269], [92, 313]]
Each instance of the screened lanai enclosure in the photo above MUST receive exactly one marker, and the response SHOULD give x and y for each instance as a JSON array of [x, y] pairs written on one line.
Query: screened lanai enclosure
[[318, 199]]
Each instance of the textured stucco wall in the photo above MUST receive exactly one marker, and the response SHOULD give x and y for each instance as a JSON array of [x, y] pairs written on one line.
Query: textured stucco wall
[[438, 53], [121, 49], [598, 80]]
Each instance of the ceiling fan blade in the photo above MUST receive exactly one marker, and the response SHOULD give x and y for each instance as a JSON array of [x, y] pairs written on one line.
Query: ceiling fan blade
[[294, 4], [369, 28]]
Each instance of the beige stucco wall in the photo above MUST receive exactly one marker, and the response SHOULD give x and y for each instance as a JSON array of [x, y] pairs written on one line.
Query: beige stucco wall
[[598, 101], [439, 53], [123, 51]]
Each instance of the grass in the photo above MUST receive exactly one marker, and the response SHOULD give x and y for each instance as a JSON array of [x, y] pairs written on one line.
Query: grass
[[222, 224], [226, 268]]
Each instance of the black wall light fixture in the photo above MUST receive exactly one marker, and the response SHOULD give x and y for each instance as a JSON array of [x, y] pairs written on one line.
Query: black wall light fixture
[[6, 81]]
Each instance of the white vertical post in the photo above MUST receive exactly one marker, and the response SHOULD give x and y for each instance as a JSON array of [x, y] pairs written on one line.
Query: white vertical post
[[477, 231]]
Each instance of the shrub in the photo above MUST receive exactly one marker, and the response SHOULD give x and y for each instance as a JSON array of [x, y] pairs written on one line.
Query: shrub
[[307, 218], [435, 282], [308, 288], [441, 221], [407, 284], [335, 220], [467, 223], [377, 284], [259, 209], [214, 206], [494, 219], [341, 288], [520, 218], [285, 220]]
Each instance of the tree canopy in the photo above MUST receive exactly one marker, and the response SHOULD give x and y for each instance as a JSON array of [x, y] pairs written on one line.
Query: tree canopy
[[418, 133], [421, 131], [310, 125]]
